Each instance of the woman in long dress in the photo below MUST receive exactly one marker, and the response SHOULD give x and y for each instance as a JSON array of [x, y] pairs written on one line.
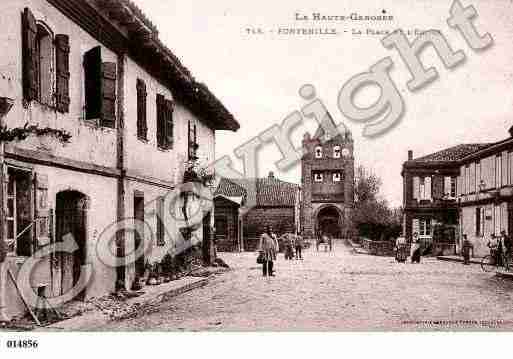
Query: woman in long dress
[[401, 252], [415, 248]]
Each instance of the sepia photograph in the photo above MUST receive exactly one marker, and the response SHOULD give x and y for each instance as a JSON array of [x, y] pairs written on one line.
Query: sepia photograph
[[170, 167]]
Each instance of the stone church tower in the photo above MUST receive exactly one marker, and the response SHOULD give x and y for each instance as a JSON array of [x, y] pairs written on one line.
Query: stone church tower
[[327, 185]]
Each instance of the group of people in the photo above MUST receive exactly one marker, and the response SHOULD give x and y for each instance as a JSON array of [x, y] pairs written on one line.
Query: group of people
[[401, 249], [268, 249], [500, 247], [293, 246]]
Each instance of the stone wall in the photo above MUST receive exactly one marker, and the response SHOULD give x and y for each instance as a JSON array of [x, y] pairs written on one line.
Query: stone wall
[[378, 248], [255, 221]]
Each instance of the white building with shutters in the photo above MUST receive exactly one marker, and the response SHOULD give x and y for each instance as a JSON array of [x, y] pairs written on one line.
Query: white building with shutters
[[469, 186], [429, 199], [97, 70]]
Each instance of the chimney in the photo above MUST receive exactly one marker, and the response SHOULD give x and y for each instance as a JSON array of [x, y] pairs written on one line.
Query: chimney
[[271, 174], [510, 131], [410, 155]]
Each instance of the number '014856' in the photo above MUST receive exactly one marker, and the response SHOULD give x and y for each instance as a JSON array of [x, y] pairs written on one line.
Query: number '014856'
[[22, 344]]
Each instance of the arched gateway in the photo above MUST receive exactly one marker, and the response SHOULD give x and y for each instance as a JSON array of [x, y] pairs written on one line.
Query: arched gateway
[[330, 221]]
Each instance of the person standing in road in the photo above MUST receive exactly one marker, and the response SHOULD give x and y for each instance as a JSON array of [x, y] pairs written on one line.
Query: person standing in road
[[507, 244], [493, 244], [465, 250], [415, 248], [268, 248], [299, 246]]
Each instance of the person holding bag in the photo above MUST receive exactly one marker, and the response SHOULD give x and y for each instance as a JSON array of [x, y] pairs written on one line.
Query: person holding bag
[[267, 250]]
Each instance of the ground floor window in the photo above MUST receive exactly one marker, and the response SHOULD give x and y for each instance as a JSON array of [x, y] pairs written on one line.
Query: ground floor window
[[19, 213], [425, 227]]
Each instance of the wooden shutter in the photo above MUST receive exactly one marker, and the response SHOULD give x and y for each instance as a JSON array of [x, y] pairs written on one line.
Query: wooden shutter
[[416, 187], [63, 74], [447, 185], [160, 222], [108, 93], [415, 226], [142, 127], [169, 125], [3, 244], [189, 140], [30, 57], [427, 188], [160, 120], [42, 212], [478, 221], [504, 171], [195, 141], [93, 75]]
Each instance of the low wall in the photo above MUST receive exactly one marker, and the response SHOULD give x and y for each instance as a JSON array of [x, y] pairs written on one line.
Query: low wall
[[444, 249], [378, 248]]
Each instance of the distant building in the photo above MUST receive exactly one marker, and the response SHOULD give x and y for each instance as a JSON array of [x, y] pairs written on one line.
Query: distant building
[[429, 195], [327, 184], [238, 224], [469, 186]]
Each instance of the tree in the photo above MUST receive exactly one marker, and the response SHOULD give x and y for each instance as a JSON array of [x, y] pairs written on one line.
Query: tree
[[373, 217]]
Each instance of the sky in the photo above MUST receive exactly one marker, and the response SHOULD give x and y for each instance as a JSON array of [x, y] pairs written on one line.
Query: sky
[[258, 76]]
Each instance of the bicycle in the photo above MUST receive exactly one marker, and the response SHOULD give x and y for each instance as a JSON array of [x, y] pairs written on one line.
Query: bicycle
[[489, 263]]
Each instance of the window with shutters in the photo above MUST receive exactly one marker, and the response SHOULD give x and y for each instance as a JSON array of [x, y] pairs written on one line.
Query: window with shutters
[[45, 64], [425, 227], [164, 123], [192, 142], [450, 187], [142, 126], [19, 213], [424, 188], [100, 88]]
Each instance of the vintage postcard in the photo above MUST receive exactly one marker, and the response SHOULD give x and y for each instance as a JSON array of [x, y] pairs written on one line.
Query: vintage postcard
[[229, 166]]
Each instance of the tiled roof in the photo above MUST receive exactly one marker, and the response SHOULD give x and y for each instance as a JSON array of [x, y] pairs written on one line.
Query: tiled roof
[[192, 93], [455, 153], [229, 189], [269, 191]]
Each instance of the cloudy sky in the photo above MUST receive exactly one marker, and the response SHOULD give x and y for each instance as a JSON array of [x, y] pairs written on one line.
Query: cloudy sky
[[258, 76]]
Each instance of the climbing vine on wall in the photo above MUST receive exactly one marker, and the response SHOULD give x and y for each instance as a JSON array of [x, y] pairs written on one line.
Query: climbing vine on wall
[[21, 133]]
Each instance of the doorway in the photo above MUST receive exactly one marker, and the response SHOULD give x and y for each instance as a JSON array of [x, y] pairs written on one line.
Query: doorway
[[71, 218], [208, 247], [138, 238]]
